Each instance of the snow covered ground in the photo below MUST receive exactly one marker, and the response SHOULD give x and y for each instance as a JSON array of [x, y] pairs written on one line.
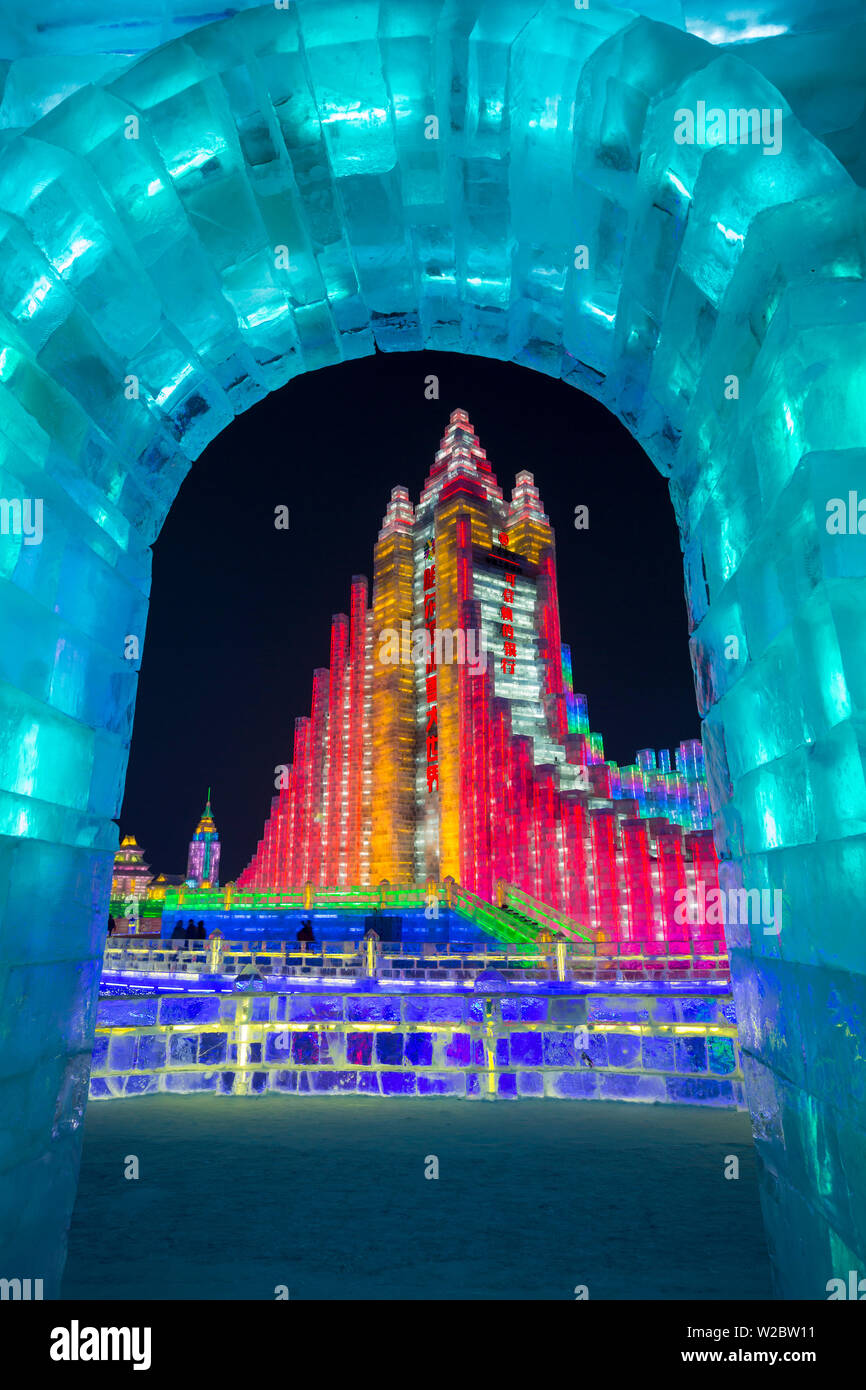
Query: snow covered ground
[[328, 1196]]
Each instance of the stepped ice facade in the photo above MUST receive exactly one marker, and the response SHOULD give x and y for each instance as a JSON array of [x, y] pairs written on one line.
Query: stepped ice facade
[[193, 213], [467, 754]]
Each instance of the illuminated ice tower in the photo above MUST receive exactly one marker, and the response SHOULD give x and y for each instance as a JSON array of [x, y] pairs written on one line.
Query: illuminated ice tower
[[446, 740], [203, 861]]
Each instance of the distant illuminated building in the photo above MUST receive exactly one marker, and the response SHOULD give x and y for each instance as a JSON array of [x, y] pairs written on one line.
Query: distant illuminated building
[[158, 888], [446, 738], [203, 861], [131, 876]]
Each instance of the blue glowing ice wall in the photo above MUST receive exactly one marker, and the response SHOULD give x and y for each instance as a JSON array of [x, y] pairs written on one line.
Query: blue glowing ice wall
[[289, 188]]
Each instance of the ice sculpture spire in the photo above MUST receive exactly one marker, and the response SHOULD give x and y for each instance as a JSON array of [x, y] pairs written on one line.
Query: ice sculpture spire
[[525, 499], [399, 513], [459, 455]]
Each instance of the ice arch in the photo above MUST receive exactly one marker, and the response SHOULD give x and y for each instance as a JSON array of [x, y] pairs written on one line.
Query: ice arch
[[146, 301]]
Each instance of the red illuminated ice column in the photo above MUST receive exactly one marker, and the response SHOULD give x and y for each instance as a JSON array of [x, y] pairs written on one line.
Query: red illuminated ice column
[[270, 844], [637, 871], [502, 800], [297, 857], [246, 877], [706, 874], [254, 873], [261, 858], [284, 806], [465, 612], [337, 740], [315, 784], [476, 851], [266, 849], [575, 835], [671, 871], [525, 862], [550, 646], [356, 730], [605, 877], [546, 816]]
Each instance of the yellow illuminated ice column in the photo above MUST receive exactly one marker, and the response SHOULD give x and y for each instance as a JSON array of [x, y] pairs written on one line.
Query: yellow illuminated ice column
[[393, 701], [463, 520]]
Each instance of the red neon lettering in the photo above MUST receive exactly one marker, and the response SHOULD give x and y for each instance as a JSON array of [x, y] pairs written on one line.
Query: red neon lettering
[[432, 776], [507, 615]]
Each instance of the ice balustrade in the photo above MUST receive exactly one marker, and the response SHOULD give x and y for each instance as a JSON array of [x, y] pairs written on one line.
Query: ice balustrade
[[605, 960]]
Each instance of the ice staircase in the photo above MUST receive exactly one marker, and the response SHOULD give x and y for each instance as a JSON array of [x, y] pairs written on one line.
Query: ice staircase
[[537, 916], [515, 917]]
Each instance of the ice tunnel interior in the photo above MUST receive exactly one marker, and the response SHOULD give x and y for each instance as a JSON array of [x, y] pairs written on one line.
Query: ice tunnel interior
[[222, 206]]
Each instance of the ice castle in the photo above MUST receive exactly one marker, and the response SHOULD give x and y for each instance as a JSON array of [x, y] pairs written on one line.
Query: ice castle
[[468, 755], [194, 209]]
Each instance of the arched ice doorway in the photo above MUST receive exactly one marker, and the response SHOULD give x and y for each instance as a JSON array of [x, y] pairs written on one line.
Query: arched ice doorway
[[267, 195]]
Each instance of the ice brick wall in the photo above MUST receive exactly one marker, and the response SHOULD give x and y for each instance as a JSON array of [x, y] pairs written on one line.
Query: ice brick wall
[[261, 198], [811, 51], [655, 1049]]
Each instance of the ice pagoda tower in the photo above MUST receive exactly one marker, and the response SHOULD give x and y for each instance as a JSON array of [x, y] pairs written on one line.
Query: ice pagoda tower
[[131, 874], [203, 860]]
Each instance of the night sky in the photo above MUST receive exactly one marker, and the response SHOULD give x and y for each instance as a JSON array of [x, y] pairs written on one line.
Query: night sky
[[240, 612]]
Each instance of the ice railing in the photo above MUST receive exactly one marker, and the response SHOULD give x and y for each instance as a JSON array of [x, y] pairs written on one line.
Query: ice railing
[[349, 960]]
